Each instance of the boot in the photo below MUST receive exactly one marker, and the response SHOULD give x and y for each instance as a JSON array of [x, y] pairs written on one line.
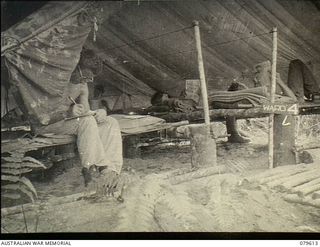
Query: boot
[[235, 137]]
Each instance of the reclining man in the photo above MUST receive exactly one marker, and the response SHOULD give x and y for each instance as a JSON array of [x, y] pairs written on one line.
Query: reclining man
[[99, 139]]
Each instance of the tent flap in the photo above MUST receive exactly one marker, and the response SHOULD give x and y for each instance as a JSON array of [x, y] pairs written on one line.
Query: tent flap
[[40, 68]]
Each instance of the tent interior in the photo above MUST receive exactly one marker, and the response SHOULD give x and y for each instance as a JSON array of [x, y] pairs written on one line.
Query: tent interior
[[149, 47]]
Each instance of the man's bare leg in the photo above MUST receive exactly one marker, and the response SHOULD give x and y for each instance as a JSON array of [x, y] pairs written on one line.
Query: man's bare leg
[[231, 122]]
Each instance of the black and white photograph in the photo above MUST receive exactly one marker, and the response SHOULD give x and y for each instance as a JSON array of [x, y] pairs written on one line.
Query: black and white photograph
[[163, 116]]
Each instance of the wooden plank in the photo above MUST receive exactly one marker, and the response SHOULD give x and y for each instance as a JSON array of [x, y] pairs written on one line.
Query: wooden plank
[[314, 110], [215, 115]]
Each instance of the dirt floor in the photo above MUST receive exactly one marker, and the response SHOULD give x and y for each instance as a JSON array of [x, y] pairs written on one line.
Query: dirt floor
[[214, 203]]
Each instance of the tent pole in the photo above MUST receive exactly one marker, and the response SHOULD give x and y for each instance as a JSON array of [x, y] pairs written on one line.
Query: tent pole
[[202, 75], [272, 96], [203, 147]]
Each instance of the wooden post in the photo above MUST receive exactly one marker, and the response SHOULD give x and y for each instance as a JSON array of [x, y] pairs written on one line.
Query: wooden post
[[124, 105], [202, 74], [284, 140], [203, 147], [296, 135], [272, 94], [281, 127]]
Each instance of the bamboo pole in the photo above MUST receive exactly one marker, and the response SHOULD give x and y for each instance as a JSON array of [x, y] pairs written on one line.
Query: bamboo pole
[[306, 185], [199, 173], [307, 146], [281, 175], [204, 92], [294, 180], [305, 201], [272, 96], [309, 190], [280, 170]]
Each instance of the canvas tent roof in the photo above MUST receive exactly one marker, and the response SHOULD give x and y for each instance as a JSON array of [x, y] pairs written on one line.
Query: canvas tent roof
[[149, 45], [164, 63]]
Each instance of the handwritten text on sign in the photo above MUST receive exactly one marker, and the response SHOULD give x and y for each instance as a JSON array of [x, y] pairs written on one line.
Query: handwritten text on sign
[[291, 109]]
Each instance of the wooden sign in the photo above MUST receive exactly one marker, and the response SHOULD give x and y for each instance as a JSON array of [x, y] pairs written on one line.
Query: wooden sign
[[286, 109]]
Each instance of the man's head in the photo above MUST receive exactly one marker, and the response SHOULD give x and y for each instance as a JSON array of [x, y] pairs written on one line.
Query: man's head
[[89, 66], [262, 66], [262, 74], [89, 60]]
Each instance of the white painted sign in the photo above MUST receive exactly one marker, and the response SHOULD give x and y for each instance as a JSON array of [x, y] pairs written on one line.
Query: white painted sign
[[287, 109]]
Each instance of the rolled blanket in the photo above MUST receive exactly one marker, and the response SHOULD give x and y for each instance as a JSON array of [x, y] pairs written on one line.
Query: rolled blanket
[[244, 98]]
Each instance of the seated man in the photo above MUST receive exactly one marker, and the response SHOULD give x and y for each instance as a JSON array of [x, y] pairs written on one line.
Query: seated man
[[302, 82], [263, 78], [98, 136]]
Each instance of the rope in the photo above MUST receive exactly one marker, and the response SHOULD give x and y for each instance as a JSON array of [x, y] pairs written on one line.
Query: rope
[[192, 50], [149, 38], [234, 40], [217, 44]]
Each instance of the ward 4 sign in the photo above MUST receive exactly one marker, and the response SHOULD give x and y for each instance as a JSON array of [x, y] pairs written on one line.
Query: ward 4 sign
[[287, 109]]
